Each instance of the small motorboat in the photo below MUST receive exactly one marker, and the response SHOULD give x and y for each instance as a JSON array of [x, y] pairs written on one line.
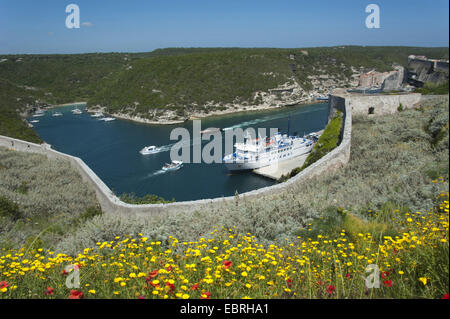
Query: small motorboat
[[149, 150], [39, 114], [172, 166], [108, 119], [97, 114], [57, 114], [34, 121], [77, 111]]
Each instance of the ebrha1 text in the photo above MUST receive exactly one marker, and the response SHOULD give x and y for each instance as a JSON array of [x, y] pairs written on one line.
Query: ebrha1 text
[[228, 308]]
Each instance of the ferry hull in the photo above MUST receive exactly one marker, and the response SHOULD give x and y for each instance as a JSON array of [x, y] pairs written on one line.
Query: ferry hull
[[251, 165]]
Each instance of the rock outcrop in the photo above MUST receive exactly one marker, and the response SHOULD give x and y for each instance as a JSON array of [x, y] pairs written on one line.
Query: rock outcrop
[[394, 80], [422, 70]]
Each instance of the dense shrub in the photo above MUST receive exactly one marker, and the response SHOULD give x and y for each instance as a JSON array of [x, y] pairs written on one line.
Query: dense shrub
[[327, 142], [132, 198], [50, 193], [432, 88]]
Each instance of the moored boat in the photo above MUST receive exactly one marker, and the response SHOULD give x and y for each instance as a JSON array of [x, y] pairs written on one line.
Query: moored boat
[[261, 152], [97, 114], [108, 119]]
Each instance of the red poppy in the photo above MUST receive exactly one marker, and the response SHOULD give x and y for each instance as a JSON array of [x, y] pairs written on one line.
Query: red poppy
[[48, 291], [77, 266], [387, 283], [349, 275], [75, 294], [169, 268], [205, 295], [445, 296], [4, 284], [330, 289], [227, 264], [195, 287], [289, 282], [171, 286], [64, 272], [384, 274], [320, 283], [141, 297], [153, 273]]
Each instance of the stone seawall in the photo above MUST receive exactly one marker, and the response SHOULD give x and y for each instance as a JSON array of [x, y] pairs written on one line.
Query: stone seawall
[[113, 205]]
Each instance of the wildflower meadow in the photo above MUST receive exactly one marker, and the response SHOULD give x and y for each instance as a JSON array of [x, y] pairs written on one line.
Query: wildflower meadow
[[412, 263]]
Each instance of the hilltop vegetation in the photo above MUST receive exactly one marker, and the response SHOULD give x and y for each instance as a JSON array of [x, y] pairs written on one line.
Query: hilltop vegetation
[[12, 99], [180, 80]]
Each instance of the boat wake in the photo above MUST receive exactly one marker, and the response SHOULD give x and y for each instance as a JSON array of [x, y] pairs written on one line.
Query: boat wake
[[158, 172], [267, 119]]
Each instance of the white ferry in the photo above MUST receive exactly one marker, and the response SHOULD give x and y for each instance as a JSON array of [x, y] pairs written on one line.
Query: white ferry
[[256, 153]]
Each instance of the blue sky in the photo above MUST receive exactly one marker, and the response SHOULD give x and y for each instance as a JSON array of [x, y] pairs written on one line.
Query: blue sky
[[30, 26]]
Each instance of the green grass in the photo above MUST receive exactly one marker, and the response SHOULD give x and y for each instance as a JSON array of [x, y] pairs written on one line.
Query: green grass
[[146, 199], [431, 88], [328, 141]]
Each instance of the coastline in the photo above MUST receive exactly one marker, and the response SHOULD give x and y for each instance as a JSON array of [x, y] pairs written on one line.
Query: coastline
[[201, 115], [54, 106]]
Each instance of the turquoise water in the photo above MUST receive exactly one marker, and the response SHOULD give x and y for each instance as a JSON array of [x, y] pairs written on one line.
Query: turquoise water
[[111, 149]]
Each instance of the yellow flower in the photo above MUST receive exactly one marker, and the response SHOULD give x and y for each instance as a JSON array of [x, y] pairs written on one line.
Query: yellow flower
[[244, 274], [185, 296], [423, 280], [92, 291], [132, 275], [248, 286], [123, 283], [400, 272]]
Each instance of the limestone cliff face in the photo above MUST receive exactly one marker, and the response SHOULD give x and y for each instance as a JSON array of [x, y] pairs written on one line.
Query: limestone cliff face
[[394, 80], [422, 71]]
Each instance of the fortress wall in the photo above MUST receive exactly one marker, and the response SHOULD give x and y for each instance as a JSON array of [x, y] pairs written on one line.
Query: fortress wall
[[382, 104]]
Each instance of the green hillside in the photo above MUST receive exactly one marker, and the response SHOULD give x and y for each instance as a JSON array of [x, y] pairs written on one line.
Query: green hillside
[[179, 79]]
